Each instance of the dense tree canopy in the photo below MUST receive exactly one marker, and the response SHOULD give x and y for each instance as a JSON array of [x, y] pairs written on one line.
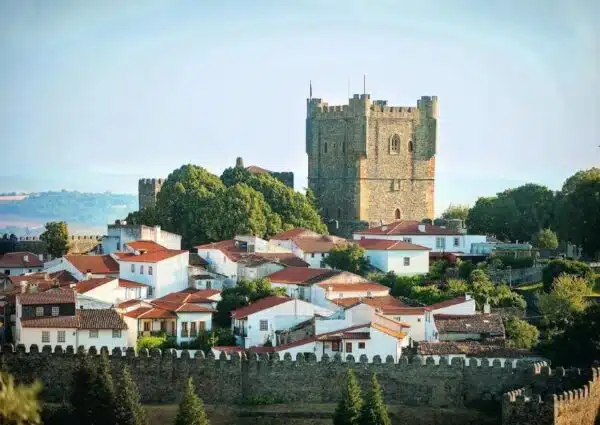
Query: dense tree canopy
[[555, 268], [203, 207], [350, 258], [456, 212], [520, 334], [56, 238], [545, 238], [567, 298]]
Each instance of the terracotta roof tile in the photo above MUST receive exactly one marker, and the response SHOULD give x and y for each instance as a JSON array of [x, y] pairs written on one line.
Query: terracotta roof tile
[[354, 287], [151, 257], [95, 264], [150, 313], [407, 227], [377, 302], [129, 303], [51, 322], [64, 277], [189, 296], [477, 323], [100, 319], [406, 311], [388, 331], [294, 233], [388, 245], [320, 244], [124, 283], [227, 247], [471, 349], [148, 246], [285, 258], [449, 303], [93, 283], [260, 305], [20, 259], [47, 297], [301, 275]]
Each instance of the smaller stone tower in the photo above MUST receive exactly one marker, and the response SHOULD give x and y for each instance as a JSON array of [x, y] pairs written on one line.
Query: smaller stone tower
[[147, 191]]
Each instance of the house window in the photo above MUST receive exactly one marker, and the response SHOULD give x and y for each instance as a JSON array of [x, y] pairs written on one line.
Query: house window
[[55, 311], [398, 214], [193, 330], [141, 269], [184, 329], [93, 333], [325, 147], [146, 326], [264, 325], [7, 272], [456, 241], [116, 333], [150, 291], [150, 270], [118, 246], [419, 319], [61, 336], [312, 255], [395, 144], [133, 268], [410, 146], [30, 270], [335, 346], [369, 294], [407, 261], [348, 347], [163, 326], [361, 345], [208, 284], [409, 240], [39, 311], [45, 336], [201, 326], [440, 242]]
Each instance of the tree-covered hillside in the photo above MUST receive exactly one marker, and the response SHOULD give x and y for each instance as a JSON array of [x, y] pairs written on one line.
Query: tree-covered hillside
[[88, 208]]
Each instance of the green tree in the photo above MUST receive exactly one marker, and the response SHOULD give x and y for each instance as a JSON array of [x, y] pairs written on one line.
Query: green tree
[[82, 399], [557, 267], [545, 238], [428, 294], [56, 238], [351, 258], [129, 410], [245, 292], [103, 391], [465, 268], [481, 287], [374, 410], [19, 403], [567, 298], [191, 409], [456, 212], [457, 287], [521, 334], [348, 410], [577, 206]]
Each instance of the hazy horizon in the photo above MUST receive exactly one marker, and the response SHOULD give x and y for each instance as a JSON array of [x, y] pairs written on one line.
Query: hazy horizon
[[98, 94]]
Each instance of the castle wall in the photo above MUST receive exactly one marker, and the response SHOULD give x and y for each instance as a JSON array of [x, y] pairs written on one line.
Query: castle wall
[[147, 192], [161, 377]]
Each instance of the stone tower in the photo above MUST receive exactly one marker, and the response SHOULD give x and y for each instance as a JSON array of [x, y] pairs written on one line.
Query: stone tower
[[369, 162], [147, 191]]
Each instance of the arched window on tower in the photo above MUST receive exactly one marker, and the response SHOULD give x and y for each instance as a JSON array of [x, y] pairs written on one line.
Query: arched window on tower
[[326, 212], [395, 144], [325, 147], [339, 213], [410, 146], [398, 214]]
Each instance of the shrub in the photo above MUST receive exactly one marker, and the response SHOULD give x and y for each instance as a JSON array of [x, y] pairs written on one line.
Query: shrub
[[520, 334], [150, 342], [404, 285], [557, 267], [465, 268], [512, 262]]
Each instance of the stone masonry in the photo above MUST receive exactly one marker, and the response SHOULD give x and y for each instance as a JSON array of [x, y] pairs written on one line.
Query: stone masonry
[[147, 191], [369, 162]]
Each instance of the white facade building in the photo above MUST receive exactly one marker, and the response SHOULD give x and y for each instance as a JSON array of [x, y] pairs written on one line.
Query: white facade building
[[112, 290], [459, 306], [18, 263], [310, 246], [84, 267], [121, 233], [436, 238], [402, 258]]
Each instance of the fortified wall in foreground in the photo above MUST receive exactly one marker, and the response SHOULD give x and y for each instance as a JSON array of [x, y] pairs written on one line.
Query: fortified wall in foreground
[[530, 393]]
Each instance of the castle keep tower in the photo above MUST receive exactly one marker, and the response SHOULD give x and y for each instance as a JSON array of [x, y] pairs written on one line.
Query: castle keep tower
[[147, 191], [370, 162]]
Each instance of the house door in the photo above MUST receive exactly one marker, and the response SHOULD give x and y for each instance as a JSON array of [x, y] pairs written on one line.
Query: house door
[[348, 347], [172, 328]]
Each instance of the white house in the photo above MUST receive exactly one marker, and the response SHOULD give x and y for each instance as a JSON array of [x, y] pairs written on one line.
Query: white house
[[83, 267], [459, 306], [312, 247], [18, 263], [111, 290], [53, 318], [256, 323], [247, 257], [162, 270], [121, 233], [436, 238], [402, 258], [181, 315]]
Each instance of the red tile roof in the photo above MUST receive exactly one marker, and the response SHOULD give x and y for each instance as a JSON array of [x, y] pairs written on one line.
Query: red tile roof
[[382, 303], [48, 297], [189, 296], [228, 348], [23, 259], [228, 248], [406, 311], [93, 283], [449, 303], [388, 245], [83, 319], [95, 264], [235, 253], [407, 227], [260, 305], [148, 246], [476, 323], [388, 331], [285, 258], [320, 244], [151, 257], [63, 277], [150, 313], [124, 283], [354, 287], [301, 275], [293, 234], [129, 303]]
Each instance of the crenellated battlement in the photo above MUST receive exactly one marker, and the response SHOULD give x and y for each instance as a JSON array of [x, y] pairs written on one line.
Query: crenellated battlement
[[151, 181]]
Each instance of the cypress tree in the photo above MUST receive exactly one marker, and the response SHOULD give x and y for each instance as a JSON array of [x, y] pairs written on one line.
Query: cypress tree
[[348, 409], [374, 411], [129, 410], [103, 392], [191, 409], [82, 401]]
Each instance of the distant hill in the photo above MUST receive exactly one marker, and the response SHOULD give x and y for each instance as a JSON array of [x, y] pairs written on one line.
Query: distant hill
[[94, 209]]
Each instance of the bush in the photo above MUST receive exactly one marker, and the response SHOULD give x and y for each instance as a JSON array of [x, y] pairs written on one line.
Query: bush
[[521, 334], [150, 342], [437, 269], [557, 267], [56, 414], [512, 262], [403, 286], [465, 268]]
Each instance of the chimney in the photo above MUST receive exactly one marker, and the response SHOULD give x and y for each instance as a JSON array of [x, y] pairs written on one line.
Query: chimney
[[467, 297], [486, 308], [421, 227], [41, 257], [26, 258], [156, 234], [23, 286]]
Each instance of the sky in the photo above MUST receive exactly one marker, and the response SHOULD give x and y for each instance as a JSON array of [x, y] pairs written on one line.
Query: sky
[[96, 94]]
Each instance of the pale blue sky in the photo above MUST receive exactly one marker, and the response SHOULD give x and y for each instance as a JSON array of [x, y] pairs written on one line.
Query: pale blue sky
[[94, 94]]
